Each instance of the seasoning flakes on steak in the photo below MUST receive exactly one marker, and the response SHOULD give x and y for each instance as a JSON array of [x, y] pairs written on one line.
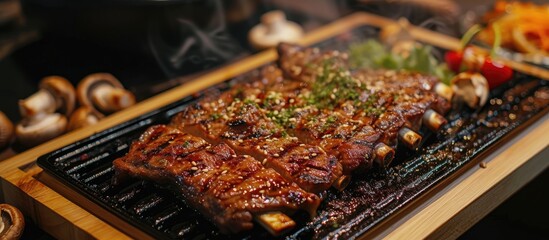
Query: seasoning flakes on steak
[[296, 129], [227, 188]]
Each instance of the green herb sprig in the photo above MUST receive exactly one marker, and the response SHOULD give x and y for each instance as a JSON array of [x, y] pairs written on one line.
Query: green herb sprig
[[374, 55]]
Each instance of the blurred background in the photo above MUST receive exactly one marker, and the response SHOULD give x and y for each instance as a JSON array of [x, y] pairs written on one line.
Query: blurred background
[[154, 45]]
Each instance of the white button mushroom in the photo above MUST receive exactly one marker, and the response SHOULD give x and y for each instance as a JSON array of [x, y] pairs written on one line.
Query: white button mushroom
[[274, 29], [471, 88], [31, 132], [43, 112], [6, 131], [55, 94], [83, 116], [104, 94], [12, 222]]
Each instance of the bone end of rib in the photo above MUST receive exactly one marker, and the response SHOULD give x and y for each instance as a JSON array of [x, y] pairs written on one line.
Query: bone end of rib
[[341, 182], [433, 120], [384, 155], [444, 91], [275, 223], [409, 138]]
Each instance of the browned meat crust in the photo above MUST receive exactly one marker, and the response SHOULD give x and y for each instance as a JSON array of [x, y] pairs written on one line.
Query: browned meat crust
[[244, 127], [227, 188], [390, 100], [306, 122]]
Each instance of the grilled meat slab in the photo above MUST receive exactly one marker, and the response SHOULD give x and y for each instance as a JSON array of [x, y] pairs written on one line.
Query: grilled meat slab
[[245, 128], [387, 100], [227, 188], [283, 101], [296, 129]]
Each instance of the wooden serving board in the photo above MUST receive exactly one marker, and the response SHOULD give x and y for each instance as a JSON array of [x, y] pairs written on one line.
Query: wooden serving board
[[448, 212]]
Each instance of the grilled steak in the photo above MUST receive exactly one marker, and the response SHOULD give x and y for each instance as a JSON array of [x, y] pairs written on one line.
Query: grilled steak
[[227, 188], [386, 100], [299, 127], [244, 127]]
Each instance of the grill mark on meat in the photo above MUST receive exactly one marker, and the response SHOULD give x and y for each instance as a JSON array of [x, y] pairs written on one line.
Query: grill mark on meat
[[245, 128], [319, 135], [228, 189], [316, 136], [253, 118], [417, 93]]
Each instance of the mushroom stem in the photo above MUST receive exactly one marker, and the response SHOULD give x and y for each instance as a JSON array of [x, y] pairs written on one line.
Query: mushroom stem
[[409, 138], [433, 120], [384, 155], [444, 91], [111, 99], [40, 102], [275, 222], [341, 182]]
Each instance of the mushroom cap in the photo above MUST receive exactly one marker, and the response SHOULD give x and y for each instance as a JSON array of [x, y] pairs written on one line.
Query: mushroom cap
[[62, 90], [273, 17], [109, 99], [471, 88], [6, 130], [33, 133], [84, 88], [12, 222], [274, 29], [81, 117]]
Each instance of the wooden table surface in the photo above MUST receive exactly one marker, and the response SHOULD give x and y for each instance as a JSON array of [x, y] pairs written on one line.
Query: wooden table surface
[[446, 213]]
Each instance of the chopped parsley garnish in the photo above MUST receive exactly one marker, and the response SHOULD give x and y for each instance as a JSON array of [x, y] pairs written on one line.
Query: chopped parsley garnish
[[330, 120], [333, 86], [249, 101], [215, 116], [283, 117], [272, 99]]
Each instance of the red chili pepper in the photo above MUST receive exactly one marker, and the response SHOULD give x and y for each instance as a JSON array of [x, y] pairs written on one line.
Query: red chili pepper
[[496, 73], [453, 60], [467, 58]]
